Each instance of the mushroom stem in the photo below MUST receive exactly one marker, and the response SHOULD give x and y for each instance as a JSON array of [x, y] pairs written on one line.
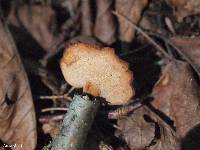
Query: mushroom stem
[[76, 124]]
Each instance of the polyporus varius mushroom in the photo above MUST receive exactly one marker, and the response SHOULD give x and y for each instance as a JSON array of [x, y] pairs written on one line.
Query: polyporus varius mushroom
[[99, 72]]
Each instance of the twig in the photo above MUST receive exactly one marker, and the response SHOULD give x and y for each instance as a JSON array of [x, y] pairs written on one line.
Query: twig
[[124, 110], [70, 90], [65, 96], [54, 97], [143, 33], [48, 118], [53, 109]]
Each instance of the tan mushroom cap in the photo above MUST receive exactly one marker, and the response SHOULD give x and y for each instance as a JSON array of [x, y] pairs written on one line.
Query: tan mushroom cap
[[98, 71]]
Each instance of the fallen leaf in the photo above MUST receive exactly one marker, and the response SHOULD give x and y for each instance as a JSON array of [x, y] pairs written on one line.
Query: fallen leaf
[[135, 130], [17, 114], [105, 26], [39, 20], [145, 130], [184, 8], [168, 139], [132, 9], [177, 95], [189, 48], [86, 18]]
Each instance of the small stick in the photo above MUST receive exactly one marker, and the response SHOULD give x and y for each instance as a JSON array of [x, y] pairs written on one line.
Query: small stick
[[54, 108], [54, 97], [65, 96], [123, 111], [48, 118], [70, 90], [143, 33]]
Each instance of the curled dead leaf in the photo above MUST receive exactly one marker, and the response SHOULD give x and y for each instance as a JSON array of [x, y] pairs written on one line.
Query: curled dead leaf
[[135, 130], [105, 26], [176, 94], [132, 9], [167, 139], [39, 20], [189, 49], [144, 129], [183, 8], [86, 18], [17, 114]]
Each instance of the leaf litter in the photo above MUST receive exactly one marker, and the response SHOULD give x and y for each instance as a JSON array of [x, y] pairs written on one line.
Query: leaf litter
[[170, 121]]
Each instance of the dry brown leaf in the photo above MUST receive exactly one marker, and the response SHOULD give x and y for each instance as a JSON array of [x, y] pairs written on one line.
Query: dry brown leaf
[[17, 115], [168, 139], [190, 49], [183, 8], [136, 131], [86, 18], [151, 133], [105, 26], [39, 20], [132, 9], [177, 95]]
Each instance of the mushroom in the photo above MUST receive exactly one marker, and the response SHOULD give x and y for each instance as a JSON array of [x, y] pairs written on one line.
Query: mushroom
[[99, 71]]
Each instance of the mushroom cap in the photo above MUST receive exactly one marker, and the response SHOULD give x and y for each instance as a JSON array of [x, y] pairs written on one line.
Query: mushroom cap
[[99, 71]]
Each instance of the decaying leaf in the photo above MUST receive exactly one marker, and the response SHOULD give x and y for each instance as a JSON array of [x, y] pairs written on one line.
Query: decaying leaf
[[190, 49], [132, 9], [177, 95], [183, 8], [39, 20], [105, 26], [145, 130], [17, 116], [98, 71], [136, 131], [86, 18], [167, 139]]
